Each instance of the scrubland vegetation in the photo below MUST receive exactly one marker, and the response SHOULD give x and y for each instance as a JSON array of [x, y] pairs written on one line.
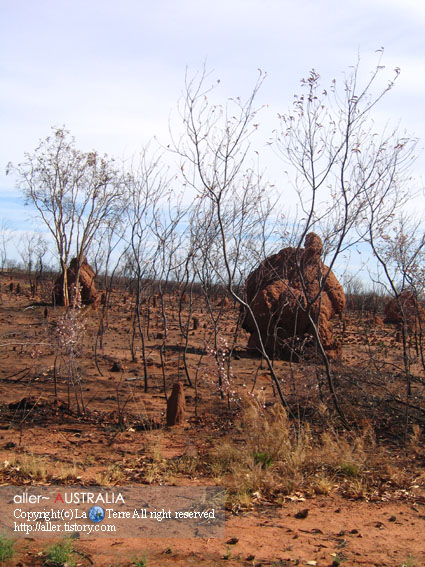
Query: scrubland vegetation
[[86, 376]]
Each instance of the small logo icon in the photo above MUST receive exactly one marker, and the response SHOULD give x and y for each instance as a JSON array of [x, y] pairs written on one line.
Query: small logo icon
[[96, 514]]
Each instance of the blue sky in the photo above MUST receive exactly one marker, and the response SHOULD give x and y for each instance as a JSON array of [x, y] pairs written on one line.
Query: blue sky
[[112, 72]]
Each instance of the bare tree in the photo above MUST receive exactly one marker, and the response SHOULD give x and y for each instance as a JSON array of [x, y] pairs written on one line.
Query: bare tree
[[32, 248], [40, 250], [147, 187], [399, 247], [339, 163], [169, 257], [343, 168], [74, 193], [107, 258], [28, 246], [5, 237], [217, 164]]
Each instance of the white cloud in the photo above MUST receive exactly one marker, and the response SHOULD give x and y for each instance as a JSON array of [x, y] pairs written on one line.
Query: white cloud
[[112, 72], [412, 9]]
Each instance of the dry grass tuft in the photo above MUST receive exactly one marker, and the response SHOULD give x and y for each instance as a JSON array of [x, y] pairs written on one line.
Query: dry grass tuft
[[272, 457], [113, 475], [40, 469]]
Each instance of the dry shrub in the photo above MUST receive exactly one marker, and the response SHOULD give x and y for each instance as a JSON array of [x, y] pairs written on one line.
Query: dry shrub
[[397, 476], [67, 472], [183, 465], [342, 454], [272, 456], [40, 469], [114, 475], [155, 464], [416, 444], [30, 466]]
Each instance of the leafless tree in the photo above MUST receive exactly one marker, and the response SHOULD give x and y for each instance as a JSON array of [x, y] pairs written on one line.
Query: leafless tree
[[40, 251], [340, 165], [147, 188], [217, 165], [74, 193], [5, 237], [107, 260], [398, 244], [169, 257], [32, 248], [343, 168]]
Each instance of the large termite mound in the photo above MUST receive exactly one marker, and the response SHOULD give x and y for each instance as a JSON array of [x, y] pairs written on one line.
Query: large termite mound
[[88, 292], [406, 307], [290, 294]]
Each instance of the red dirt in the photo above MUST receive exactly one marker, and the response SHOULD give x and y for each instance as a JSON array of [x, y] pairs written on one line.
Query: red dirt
[[354, 533], [126, 426]]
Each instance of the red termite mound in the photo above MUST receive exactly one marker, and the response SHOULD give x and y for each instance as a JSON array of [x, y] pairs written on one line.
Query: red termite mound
[[285, 292], [88, 292], [176, 405], [406, 307]]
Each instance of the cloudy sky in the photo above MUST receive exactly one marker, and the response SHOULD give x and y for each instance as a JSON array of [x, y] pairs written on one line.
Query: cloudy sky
[[113, 71]]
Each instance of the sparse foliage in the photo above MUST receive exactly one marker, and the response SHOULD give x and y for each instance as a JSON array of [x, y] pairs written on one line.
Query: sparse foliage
[[74, 193], [6, 548], [68, 344]]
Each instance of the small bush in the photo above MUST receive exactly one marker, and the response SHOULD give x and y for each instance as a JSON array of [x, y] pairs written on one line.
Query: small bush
[[349, 470], [6, 548], [30, 466], [272, 456], [60, 554], [264, 459], [410, 562], [112, 476]]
